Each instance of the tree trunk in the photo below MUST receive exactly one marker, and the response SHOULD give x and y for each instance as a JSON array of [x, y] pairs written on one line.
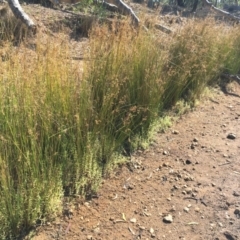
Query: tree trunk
[[20, 14]]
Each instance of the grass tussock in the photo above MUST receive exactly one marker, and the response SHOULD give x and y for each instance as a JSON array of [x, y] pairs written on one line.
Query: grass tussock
[[60, 133]]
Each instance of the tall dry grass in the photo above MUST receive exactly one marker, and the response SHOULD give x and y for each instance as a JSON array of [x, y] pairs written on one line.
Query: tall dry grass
[[60, 133]]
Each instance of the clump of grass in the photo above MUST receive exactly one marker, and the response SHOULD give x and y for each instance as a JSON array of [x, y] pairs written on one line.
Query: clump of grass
[[60, 133], [199, 53], [126, 75]]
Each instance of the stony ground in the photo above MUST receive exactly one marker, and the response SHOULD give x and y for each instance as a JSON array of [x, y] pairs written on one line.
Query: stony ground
[[185, 186]]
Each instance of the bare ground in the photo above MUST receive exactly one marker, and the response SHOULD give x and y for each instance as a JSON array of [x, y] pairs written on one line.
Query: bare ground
[[191, 173]]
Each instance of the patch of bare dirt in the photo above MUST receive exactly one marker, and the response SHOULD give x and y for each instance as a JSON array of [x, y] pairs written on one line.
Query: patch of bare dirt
[[186, 186]]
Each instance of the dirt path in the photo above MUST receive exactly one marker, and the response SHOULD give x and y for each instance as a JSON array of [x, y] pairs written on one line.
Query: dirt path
[[191, 174]]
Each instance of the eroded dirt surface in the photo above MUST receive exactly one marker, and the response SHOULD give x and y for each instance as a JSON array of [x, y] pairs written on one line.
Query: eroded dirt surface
[[191, 173]]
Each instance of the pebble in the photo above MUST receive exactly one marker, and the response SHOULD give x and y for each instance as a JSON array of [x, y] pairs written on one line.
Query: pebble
[[220, 224], [236, 194], [89, 237], [166, 164], [231, 136], [168, 218], [133, 220], [237, 213], [188, 161], [175, 132], [197, 209], [96, 230], [186, 209], [188, 190], [173, 209], [151, 230]]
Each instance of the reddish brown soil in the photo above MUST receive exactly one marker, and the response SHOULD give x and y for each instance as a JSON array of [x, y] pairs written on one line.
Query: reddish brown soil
[[194, 159]]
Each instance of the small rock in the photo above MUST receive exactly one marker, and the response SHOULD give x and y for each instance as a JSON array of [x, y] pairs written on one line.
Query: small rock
[[151, 230], [231, 136], [213, 184], [169, 199], [184, 192], [212, 225], [96, 230], [237, 213], [195, 139], [166, 164], [89, 237], [197, 209], [229, 235], [186, 209], [188, 161], [133, 220], [175, 132], [188, 190], [220, 224], [165, 153], [168, 219], [236, 194], [173, 209]]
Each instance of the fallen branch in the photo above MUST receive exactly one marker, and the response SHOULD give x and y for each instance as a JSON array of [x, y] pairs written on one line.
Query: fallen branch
[[125, 9], [110, 7], [163, 28], [20, 14], [226, 163], [222, 12]]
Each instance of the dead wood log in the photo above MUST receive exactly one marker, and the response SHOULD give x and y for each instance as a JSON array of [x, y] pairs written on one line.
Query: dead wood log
[[110, 7], [125, 9], [163, 28], [20, 14], [222, 12]]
